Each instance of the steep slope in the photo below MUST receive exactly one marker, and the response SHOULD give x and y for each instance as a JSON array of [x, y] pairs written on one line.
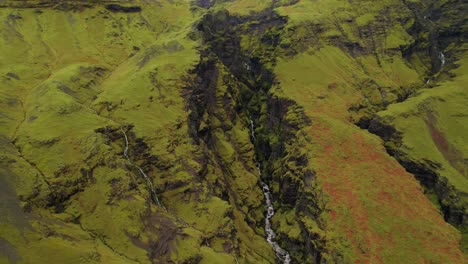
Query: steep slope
[[425, 133], [349, 61], [83, 77], [144, 131]]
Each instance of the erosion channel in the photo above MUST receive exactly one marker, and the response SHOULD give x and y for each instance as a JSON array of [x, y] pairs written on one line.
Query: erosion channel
[[281, 253]]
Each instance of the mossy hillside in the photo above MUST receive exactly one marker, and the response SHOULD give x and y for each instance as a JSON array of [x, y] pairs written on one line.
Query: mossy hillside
[[227, 153], [327, 78], [226, 36], [59, 112], [431, 126], [441, 105], [253, 42], [244, 7], [112, 196], [378, 217], [38, 237], [154, 76], [248, 80], [370, 206], [53, 103], [374, 47], [12, 219], [60, 118], [159, 80], [135, 77], [416, 132], [392, 72]]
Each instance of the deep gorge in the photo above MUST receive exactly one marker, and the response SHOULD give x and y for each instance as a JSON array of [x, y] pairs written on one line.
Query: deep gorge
[[233, 131]]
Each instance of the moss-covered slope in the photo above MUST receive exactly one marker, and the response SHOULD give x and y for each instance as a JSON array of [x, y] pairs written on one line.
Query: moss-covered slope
[[183, 83]]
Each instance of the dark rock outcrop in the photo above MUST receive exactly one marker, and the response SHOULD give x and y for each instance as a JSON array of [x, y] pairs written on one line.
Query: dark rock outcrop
[[124, 9]]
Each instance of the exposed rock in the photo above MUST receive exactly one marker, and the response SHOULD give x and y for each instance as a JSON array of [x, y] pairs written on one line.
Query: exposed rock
[[124, 9]]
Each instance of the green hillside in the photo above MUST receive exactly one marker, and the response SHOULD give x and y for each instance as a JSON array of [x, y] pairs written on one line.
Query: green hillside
[[166, 131]]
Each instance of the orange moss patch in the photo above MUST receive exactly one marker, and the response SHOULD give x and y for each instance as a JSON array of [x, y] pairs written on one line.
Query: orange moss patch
[[374, 203], [450, 153]]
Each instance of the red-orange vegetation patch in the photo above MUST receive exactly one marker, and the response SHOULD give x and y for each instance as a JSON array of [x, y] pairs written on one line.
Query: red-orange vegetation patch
[[377, 206], [333, 215], [450, 153], [438, 138]]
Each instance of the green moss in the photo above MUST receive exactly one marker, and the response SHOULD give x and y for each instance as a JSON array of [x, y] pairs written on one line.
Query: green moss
[[431, 125], [365, 20], [246, 7], [440, 108], [67, 75], [398, 38]]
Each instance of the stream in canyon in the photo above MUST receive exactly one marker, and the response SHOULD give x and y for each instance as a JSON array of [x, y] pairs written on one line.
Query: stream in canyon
[[281, 253], [142, 173]]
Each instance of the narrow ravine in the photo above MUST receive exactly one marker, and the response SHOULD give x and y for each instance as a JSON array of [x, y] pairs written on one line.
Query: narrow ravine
[[150, 185], [281, 253]]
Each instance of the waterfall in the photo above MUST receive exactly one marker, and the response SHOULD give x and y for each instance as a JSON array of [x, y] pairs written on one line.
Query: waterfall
[[442, 59], [142, 173], [252, 130], [126, 147], [271, 235], [150, 184], [282, 254]]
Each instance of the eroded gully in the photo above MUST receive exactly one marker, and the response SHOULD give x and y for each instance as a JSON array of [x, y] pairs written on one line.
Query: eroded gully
[[150, 185], [281, 253]]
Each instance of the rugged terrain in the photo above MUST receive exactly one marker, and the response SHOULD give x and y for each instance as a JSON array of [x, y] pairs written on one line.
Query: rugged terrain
[[148, 131]]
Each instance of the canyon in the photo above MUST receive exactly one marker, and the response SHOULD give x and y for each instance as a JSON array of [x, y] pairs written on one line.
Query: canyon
[[243, 131]]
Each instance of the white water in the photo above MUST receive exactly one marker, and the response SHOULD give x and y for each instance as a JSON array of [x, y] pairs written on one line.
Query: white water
[[282, 254], [150, 184], [126, 146], [442, 59], [247, 66], [142, 173], [252, 130], [271, 235]]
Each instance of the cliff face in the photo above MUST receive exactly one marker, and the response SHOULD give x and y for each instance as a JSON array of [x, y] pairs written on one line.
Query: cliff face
[[143, 131]]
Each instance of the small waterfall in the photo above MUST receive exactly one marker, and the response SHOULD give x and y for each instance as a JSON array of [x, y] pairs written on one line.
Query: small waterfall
[[282, 254], [252, 130], [442, 59], [142, 173], [126, 146], [150, 184], [271, 235]]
